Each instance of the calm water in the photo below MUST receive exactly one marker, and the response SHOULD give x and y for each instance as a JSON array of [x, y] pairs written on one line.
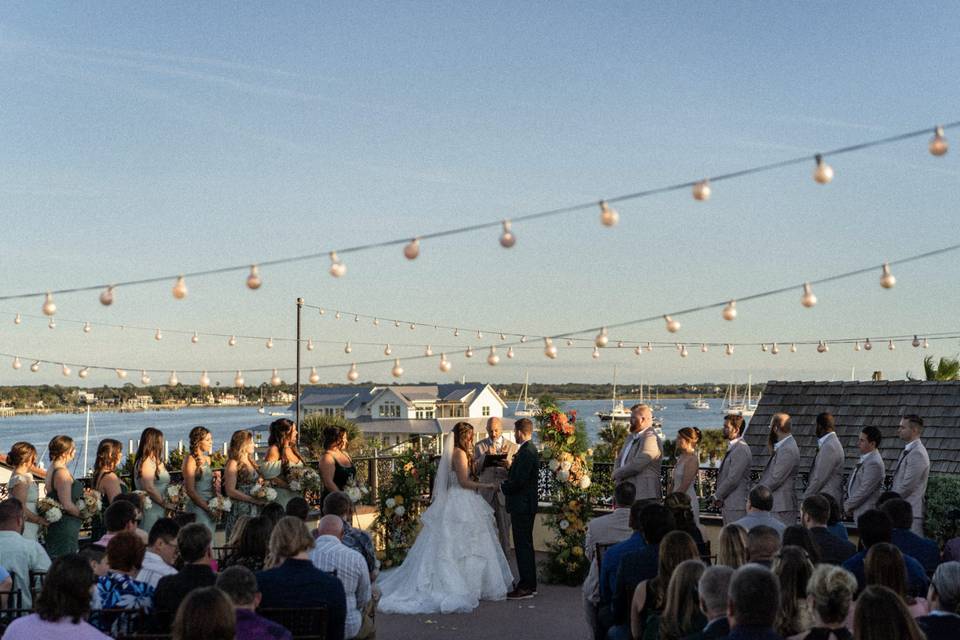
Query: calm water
[[224, 421]]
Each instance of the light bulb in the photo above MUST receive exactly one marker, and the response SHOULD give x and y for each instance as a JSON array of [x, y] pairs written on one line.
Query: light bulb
[[774, 349], [348, 348], [275, 379], [314, 376], [793, 348], [729, 349], [412, 250], [510, 352], [144, 378], [353, 374], [16, 362], [376, 322], [52, 324], [337, 268], [649, 347], [887, 279], [17, 319], [238, 380], [204, 378], [174, 380], [35, 366], [856, 346], [507, 239], [65, 370], [49, 306], [730, 311], [121, 373], [938, 143], [356, 317], [106, 297], [87, 328], [808, 299], [493, 359], [396, 323], [387, 350], [569, 342], [763, 347], [322, 311], [619, 344], [523, 339], [672, 325], [502, 337], [413, 325], [925, 343], [602, 338], [596, 353], [428, 351], [158, 335], [822, 347], [822, 173], [253, 280], [444, 363], [916, 341], [550, 349], [232, 342], [269, 344], [608, 217], [180, 289], [469, 352], [309, 344], [456, 333], [701, 190], [867, 344], [196, 338], [479, 334], [397, 370], [683, 351], [337, 315], [703, 348], [637, 350], [891, 346]]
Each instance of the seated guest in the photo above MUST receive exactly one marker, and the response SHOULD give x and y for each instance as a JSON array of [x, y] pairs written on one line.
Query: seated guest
[[193, 543], [240, 585], [298, 508], [338, 503], [604, 530], [814, 513], [925, 551], [829, 595], [251, 550], [733, 547], [793, 569], [97, 558], [875, 527], [332, 556], [835, 521], [236, 530], [611, 559], [759, 511], [881, 614], [679, 505], [62, 606], [650, 596], [6, 587], [292, 582], [884, 566], [119, 589], [205, 614], [712, 594], [119, 516], [752, 603], [681, 614], [951, 550], [19, 555], [796, 535], [161, 552], [638, 566], [943, 622], [763, 544], [273, 512]]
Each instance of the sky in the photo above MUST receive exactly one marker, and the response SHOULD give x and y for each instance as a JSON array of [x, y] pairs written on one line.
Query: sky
[[153, 139]]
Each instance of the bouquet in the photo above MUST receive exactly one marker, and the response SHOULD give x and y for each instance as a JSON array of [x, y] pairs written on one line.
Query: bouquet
[[302, 479], [219, 505], [50, 509], [263, 492], [175, 496], [90, 504], [355, 491], [145, 502]]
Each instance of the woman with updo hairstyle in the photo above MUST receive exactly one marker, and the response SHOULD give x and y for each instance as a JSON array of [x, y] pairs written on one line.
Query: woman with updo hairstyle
[[336, 465], [793, 569], [733, 546], [679, 505], [150, 475], [882, 615], [63, 536], [206, 613], [106, 481], [198, 476], [687, 467], [241, 475], [22, 486], [282, 453], [830, 592]]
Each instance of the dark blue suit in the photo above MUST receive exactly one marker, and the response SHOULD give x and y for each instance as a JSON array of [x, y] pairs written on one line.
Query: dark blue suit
[[924, 550], [298, 584], [634, 568], [940, 627], [916, 576], [753, 633], [714, 630], [521, 502], [833, 550]]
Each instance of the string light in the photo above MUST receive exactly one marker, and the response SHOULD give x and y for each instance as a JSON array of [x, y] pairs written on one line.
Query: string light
[[275, 379], [469, 352], [322, 311], [428, 351], [52, 324], [353, 374], [492, 358], [338, 315], [808, 299], [916, 342], [412, 326], [35, 366], [412, 250], [730, 311], [925, 344], [348, 348], [703, 348], [891, 346], [619, 344], [158, 336], [793, 348], [238, 380], [649, 347], [683, 351], [867, 345], [774, 349], [479, 334], [822, 173], [387, 350], [856, 346], [337, 268], [397, 370], [65, 370], [507, 239], [106, 297], [637, 350], [376, 322], [253, 280], [701, 190], [523, 339], [180, 288], [763, 348], [510, 352], [314, 376], [444, 363], [608, 217], [550, 349], [569, 342], [310, 346], [822, 347], [196, 338], [232, 342], [16, 362], [49, 306], [672, 325], [144, 378], [173, 380], [356, 318], [456, 333], [87, 328], [17, 319], [602, 338], [121, 373], [938, 143], [729, 349], [502, 337], [887, 279], [204, 378], [596, 353]]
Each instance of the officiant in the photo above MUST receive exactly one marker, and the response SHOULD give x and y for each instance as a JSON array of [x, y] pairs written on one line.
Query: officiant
[[492, 457]]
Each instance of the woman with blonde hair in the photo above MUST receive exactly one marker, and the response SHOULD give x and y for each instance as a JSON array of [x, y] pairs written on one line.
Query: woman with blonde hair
[[240, 477], [732, 550], [686, 469], [830, 592], [881, 614], [22, 486], [63, 536], [290, 538], [793, 569], [681, 612]]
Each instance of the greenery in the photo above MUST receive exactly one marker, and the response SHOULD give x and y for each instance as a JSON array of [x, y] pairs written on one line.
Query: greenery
[[401, 502], [945, 370], [943, 496], [612, 437], [311, 434]]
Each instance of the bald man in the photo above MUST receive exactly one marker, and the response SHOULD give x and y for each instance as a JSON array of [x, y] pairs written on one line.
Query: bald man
[[495, 443], [332, 556], [780, 474]]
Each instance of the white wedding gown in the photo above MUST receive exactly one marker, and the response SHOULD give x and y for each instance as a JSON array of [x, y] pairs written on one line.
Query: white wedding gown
[[455, 562]]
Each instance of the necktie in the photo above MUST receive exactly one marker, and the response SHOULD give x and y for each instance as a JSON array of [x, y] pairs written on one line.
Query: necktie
[[853, 476]]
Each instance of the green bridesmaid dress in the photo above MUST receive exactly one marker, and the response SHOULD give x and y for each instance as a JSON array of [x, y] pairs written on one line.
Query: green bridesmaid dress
[[63, 536], [204, 487], [156, 511]]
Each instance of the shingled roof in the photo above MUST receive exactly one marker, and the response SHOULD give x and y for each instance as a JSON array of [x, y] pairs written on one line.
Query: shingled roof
[[856, 405]]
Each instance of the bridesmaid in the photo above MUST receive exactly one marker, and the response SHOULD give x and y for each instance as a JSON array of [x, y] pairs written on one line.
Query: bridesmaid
[[151, 476], [63, 536], [106, 481], [198, 476], [688, 464], [336, 465], [22, 486], [239, 478], [281, 455]]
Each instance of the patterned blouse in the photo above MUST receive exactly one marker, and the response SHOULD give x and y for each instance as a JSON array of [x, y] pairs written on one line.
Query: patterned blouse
[[120, 591]]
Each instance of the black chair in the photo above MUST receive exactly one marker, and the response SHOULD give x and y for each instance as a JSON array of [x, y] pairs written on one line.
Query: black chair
[[219, 553], [304, 624], [36, 580], [600, 550]]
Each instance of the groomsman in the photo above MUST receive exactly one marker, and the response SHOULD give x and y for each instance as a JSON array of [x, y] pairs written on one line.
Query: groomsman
[[733, 479], [866, 481], [639, 459], [912, 469], [780, 474], [826, 472], [495, 444]]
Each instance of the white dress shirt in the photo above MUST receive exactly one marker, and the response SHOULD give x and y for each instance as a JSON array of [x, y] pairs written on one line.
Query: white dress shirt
[[154, 568], [779, 443]]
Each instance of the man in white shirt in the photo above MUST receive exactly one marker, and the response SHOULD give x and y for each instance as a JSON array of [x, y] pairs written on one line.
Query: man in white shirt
[[161, 552], [19, 555], [349, 567], [495, 444], [640, 458], [605, 530], [912, 469], [780, 474], [826, 471], [866, 480]]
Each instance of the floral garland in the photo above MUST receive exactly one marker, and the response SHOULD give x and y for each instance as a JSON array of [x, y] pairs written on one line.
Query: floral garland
[[401, 503], [568, 458]]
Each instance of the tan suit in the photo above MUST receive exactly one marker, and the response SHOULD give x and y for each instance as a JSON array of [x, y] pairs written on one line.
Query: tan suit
[[641, 464], [495, 475]]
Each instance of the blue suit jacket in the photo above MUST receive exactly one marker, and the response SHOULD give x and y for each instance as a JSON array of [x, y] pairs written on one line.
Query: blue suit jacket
[[634, 569], [298, 584], [925, 551], [611, 563]]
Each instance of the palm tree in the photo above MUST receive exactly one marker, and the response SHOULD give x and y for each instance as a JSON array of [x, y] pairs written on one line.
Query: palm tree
[[946, 369]]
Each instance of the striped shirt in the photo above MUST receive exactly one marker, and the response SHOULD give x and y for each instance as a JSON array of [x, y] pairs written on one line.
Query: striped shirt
[[349, 567]]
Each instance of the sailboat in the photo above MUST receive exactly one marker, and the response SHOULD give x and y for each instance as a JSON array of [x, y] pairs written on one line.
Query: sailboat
[[699, 404], [526, 408], [617, 413], [744, 408], [656, 403]]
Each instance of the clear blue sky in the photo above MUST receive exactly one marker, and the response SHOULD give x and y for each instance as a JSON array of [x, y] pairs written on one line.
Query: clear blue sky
[[144, 140]]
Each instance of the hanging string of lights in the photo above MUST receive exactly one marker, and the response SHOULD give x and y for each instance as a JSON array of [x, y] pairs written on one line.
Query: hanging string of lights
[[701, 190]]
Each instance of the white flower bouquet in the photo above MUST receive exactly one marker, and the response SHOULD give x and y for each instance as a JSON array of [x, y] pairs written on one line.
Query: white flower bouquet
[[50, 509], [355, 491], [220, 506], [90, 504], [302, 478], [145, 502], [175, 496], [263, 492]]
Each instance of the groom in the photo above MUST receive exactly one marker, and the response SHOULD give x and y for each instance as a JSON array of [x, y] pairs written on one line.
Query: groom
[[520, 489]]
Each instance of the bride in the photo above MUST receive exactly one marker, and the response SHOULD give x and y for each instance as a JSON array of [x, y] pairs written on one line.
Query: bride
[[456, 561]]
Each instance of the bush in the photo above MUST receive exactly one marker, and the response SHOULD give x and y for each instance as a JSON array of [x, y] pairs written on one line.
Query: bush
[[943, 496], [311, 434]]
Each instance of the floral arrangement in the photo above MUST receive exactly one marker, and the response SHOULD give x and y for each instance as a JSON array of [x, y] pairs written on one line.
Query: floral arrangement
[[263, 492], [90, 504], [220, 506], [400, 504], [355, 490], [303, 479], [145, 502], [568, 459], [176, 496], [50, 509]]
